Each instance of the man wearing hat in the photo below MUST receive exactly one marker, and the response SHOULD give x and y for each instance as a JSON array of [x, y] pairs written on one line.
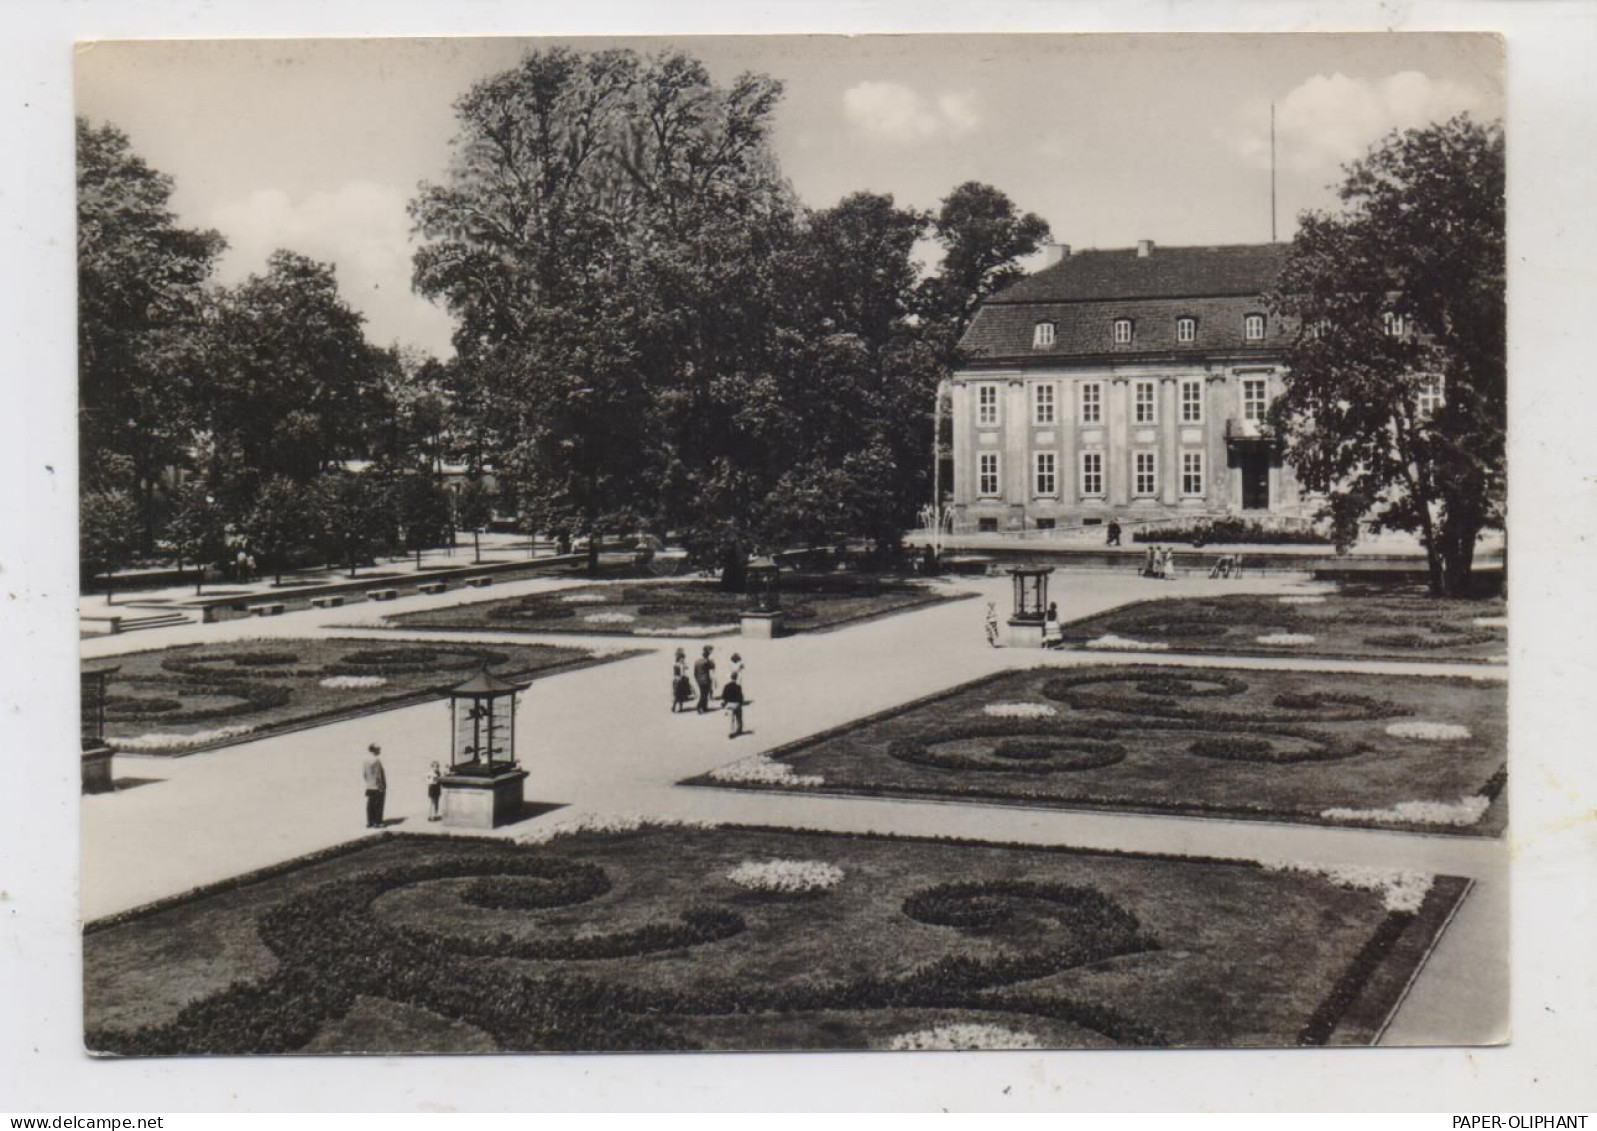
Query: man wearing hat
[[376, 787]]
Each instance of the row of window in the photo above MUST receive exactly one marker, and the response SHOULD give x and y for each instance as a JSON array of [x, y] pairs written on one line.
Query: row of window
[[1144, 402], [1045, 475], [1122, 331]]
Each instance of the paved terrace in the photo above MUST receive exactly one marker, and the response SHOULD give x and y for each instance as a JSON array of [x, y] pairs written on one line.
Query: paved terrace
[[602, 740]]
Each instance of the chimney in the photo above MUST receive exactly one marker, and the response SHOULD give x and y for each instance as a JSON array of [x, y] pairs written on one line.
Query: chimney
[[1055, 253], [1144, 248]]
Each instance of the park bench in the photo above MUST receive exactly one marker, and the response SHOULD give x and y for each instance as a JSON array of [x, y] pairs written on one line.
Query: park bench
[[479, 582], [432, 587], [332, 602], [381, 594], [269, 609]]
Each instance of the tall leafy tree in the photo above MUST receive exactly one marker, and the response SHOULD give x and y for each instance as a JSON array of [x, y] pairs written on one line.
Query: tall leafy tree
[[107, 533], [197, 529], [294, 386], [281, 523], [474, 510], [140, 279], [1395, 398], [982, 236]]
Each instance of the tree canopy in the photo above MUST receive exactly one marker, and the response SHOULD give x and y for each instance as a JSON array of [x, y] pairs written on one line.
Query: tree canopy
[[1396, 392]]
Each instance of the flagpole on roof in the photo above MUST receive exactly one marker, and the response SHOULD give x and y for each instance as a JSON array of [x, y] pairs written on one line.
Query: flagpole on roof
[[1272, 172]]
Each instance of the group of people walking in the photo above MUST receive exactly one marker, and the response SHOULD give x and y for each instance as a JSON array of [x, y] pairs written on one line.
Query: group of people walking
[[1159, 563], [733, 696]]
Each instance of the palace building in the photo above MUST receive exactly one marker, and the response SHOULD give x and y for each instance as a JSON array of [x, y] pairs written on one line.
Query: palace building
[[1132, 383]]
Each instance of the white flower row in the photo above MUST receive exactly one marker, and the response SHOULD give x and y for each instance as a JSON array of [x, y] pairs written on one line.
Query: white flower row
[[1401, 889], [789, 877], [1432, 732], [353, 682], [584, 598], [603, 823], [686, 630], [1019, 710], [758, 769], [1491, 622], [1303, 599], [609, 618], [1112, 643], [1285, 638], [1464, 811], [168, 742], [963, 1038]]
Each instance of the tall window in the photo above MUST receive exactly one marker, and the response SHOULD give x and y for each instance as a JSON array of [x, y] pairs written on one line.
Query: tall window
[[1430, 398], [1091, 402], [1192, 402], [1042, 335], [1145, 483], [1253, 327], [986, 404], [1253, 399], [1046, 473], [1191, 473], [1186, 329], [1042, 404], [987, 475], [1145, 412], [1122, 331], [1092, 473], [1395, 325]]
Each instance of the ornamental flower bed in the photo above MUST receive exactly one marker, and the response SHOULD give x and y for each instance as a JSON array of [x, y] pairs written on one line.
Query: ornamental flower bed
[[1430, 732], [1392, 622], [170, 701], [1302, 747], [683, 608], [633, 940]]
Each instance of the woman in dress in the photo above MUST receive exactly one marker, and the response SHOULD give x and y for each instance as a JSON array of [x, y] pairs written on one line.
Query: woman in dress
[[681, 685]]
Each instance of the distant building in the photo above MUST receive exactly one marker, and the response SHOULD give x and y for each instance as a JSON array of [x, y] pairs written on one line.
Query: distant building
[[1130, 383]]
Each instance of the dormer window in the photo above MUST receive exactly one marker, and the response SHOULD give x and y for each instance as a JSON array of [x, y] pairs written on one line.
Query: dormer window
[[1122, 331], [1186, 330], [1253, 328], [1042, 335]]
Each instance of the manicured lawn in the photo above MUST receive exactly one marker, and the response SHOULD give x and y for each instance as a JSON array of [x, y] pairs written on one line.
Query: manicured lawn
[[640, 940], [680, 608], [1391, 622], [178, 700], [1293, 746]]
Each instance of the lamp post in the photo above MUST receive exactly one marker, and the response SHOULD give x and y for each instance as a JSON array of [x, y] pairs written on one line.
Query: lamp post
[[484, 787]]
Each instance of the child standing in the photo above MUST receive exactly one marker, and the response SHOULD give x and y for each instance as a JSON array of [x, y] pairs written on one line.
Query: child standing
[[733, 698], [435, 790]]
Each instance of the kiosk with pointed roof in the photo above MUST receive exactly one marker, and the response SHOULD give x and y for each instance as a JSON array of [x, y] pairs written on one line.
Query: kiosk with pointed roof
[[484, 787]]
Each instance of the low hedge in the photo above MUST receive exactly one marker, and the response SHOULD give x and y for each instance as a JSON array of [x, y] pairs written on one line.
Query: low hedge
[[1069, 690], [985, 904], [1229, 530], [1251, 748], [1415, 641], [1026, 746], [559, 886]]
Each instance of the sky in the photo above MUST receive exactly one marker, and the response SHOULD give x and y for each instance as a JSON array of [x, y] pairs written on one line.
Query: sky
[[318, 145]]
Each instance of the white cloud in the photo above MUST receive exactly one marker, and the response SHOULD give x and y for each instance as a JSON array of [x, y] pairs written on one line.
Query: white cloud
[[1329, 120], [901, 115], [362, 229]]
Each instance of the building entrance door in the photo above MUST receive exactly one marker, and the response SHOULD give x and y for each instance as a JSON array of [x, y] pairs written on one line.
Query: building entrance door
[[1256, 482]]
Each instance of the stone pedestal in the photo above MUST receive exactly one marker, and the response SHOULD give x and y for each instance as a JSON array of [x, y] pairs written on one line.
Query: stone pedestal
[[481, 801], [97, 770], [761, 624], [1027, 633]]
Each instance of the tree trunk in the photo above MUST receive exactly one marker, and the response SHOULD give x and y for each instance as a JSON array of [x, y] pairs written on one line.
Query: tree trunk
[[476, 547], [734, 569], [1458, 558], [593, 553]]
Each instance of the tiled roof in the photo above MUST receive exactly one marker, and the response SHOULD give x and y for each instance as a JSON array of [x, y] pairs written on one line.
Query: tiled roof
[[1086, 329], [1166, 272], [1084, 294]]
